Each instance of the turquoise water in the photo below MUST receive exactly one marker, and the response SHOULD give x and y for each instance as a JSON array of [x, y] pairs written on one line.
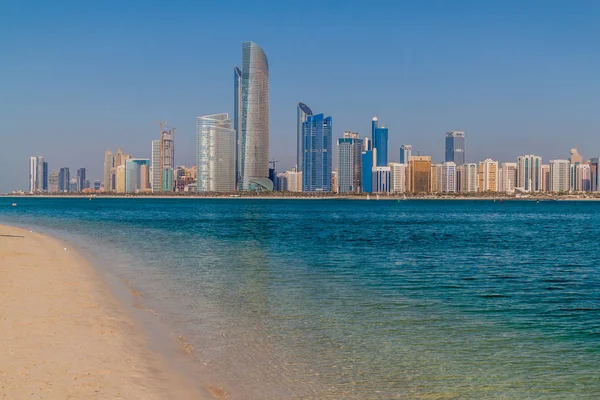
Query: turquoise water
[[359, 299]]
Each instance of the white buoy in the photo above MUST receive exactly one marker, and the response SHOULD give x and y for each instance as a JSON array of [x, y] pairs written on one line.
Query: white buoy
[[14, 204], [65, 249]]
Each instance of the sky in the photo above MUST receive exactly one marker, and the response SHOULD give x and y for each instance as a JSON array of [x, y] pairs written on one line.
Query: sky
[[78, 77]]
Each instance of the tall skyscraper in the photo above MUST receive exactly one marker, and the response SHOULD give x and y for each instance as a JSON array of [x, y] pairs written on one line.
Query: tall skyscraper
[[317, 157], [302, 113], [594, 165], [215, 153], [488, 176], [436, 178], [381, 179], [53, 182], [33, 174], [469, 177], [254, 115], [545, 178], [166, 161], [559, 176], [448, 177], [420, 174], [44, 176], [81, 179], [237, 123], [405, 153], [136, 175], [584, 179], [109, 163], [155, 171], [455, 147], [367, 165], [349, 166], [575, 159], [529, 173], [64, 179], [379, 135], [398, 183], [509, 177]]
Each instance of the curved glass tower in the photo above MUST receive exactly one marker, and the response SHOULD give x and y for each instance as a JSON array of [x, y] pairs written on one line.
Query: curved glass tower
[[253, 118], [303, 112]]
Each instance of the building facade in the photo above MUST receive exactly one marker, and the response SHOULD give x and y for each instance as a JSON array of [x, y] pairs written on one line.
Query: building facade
[[559, 176], [508, 180], [448, 177], [468, 177], [215, 153], [136, 175], [420, 174], [436, 178], [109, 163], [405, 153], [64, 179], [398, 174], [367, 165], [302, 113], [545, 178], [81, 179], [529, 173], [455, 147], [381, 179], [379, 136], [583, 177], [349, 165], [317, 156], [488, 176]]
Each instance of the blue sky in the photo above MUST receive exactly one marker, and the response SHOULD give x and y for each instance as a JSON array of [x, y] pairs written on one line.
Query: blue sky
[[77, 77]]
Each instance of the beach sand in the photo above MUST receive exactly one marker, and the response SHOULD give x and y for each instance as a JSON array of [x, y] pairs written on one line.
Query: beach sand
[[63, 335]]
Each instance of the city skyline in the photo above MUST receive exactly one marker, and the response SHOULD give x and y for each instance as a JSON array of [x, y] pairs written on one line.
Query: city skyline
[[505, 114]]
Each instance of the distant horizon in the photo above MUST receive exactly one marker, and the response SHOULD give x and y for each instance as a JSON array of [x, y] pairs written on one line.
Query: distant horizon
[[517, 78]]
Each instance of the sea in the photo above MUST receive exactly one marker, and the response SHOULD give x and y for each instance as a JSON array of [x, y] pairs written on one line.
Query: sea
[[356, 299]]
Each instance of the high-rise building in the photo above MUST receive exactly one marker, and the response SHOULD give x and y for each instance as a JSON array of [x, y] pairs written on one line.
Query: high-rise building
[[97, 185], [455, 147], [508, 180], [53, 182], [136, 175], [405, 153], [468, 177], [545, 178], [73, 186], [120, 179], [575, 159], [594, 165], [379, 135], [584, 178], [293, 181], [81, 179], [254, 116], [34, 167], [334, 182], [237, 122], [155, 170], [398, 174], [381, 179], [64, 179], [448, 181], [109, 163], [367, 164], [166, 159], [559, 175], [316, 146], [529, 173], [420, 174], [436, 178], [44, 176], [302, 113], [488, 176], [349, 164], [215, 153]]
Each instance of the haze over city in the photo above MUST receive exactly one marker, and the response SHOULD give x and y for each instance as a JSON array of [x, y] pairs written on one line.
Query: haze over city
[[80, 78]]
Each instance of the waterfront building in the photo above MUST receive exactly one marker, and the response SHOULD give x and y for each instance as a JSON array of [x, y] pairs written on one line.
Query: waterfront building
[[575, 159], [583, 177], [448, 177], [73, 186], [64, 178], [436, 178], [381, 179], [252, 117], [405, 153], [166, 159], [420, 174], [334, 182], [488, 176], [367, 165], [97, 185], [594, 164], [508, 180], [136, 176], [109, 163], [53, 182], [120, 177], [380, 142], [398, 174], [545, 178], [215, 153], [529, 173], [559, 176], [302, 113], [33, 174], [81, 180], [349, 165], [317, 157], [367, 144], [281, 184], [468, 178], [155, 170], [294, 180], [455, 147]]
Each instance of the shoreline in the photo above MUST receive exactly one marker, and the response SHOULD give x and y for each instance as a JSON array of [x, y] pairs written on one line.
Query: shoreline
[[66, 333]]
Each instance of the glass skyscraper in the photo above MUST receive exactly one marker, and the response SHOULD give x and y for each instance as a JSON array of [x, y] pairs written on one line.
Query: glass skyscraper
[[135, 178], [155, 166], [302, 113], [405, 153], [215, 150], [64, 178], [349, 163], [455, 147], [379, 135], [81, 179], [251, 116], [367, 170], [316, 158]]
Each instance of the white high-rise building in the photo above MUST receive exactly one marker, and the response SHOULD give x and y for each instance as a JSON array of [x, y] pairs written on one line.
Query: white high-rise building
[[584, 178], [448, 178], [529, 173], [349, 165], [155, 170], [488, 176], [215, 150], [398, 173], [33, 174], [559, 175], [509, 177], [294, 181], [381, 179], [468, 177]]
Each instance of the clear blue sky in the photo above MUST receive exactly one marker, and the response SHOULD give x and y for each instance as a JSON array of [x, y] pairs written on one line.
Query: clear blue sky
[[77, 77]]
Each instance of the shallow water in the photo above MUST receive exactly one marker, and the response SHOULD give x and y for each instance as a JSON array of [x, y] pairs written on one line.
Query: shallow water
[[359, 299]]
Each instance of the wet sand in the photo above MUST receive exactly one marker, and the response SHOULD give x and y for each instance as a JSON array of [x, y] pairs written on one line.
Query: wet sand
[[63, 335]]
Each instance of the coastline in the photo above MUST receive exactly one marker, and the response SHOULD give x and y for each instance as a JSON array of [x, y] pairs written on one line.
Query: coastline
[[65, 335]]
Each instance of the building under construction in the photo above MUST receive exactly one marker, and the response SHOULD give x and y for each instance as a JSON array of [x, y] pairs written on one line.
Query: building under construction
[[163, 160]]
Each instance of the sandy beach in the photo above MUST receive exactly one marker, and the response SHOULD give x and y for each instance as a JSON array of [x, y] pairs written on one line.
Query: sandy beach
[[64, 335]]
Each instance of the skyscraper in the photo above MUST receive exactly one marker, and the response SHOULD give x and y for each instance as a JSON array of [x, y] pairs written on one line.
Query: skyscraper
[[254, 115], [488, 176], [349, 163], [109, 163], [405, 153], [436, 178], [575, 159], [316, 158], [64, 179], [379, 135], [449, 177], [136, 174], [545, 178], [302, 113], [53, 182], [398, 178], [509, 177], [81, 179], [559, 176], [455, 147], [584, 179], [420, 174], [215, 153], [237, 123], [594, 164], [468, 180], [33, 174], [381, 179], [367, 164], [44, 176], [529, 173], [155, 171], [166, 158]]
